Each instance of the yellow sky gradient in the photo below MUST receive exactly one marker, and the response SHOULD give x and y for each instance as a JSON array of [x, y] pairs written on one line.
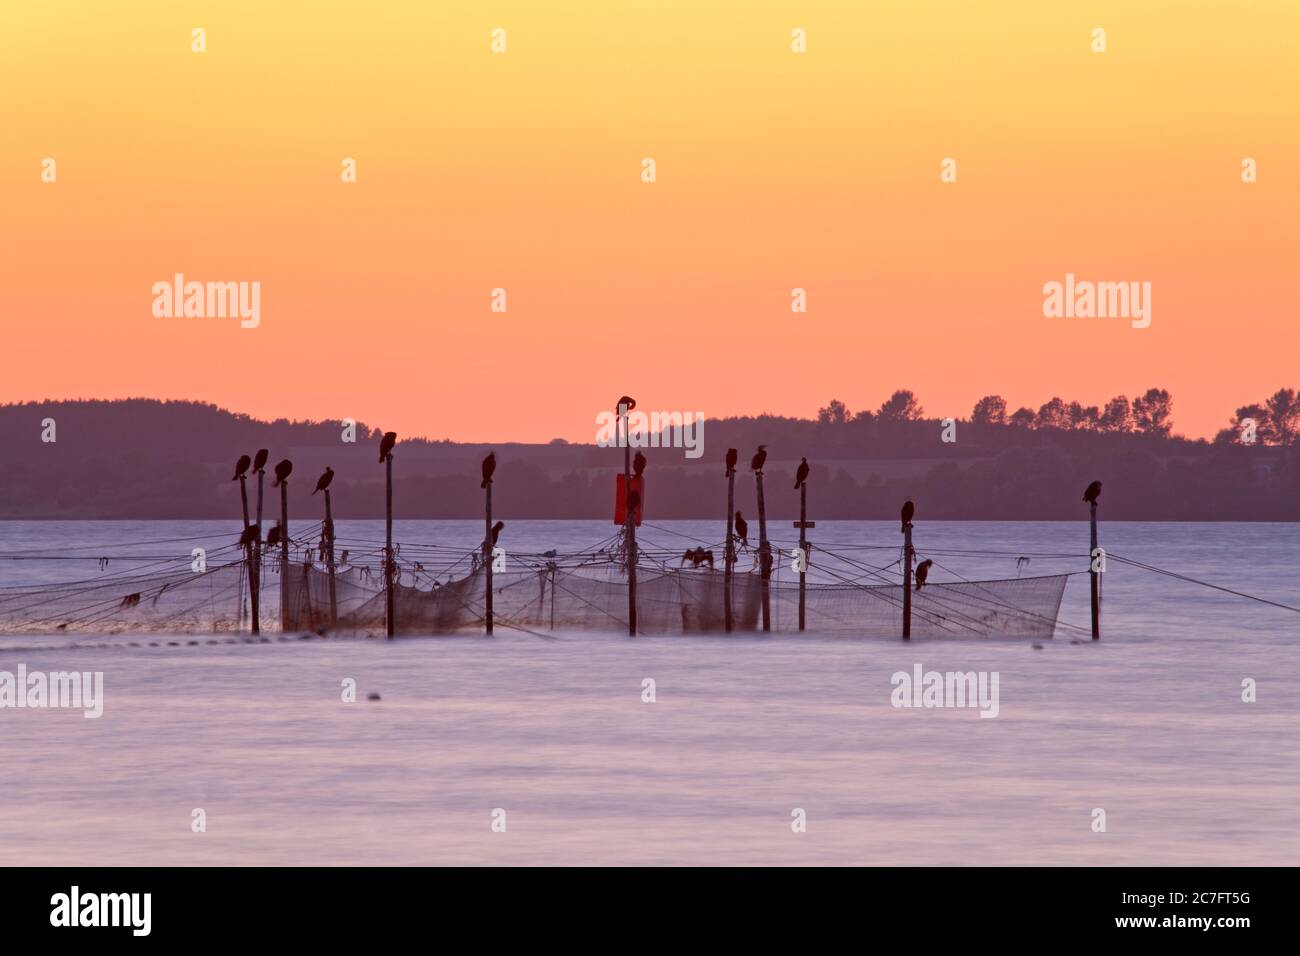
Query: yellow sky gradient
[[521, 170]]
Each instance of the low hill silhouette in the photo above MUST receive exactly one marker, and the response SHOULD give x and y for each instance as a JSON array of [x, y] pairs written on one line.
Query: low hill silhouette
[[143, 458]]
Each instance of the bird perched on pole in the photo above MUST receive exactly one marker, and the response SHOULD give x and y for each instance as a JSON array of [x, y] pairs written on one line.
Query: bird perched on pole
[[731, 461], [282, 472], [241, 467], [489, 467], [638, 464], [1092, 493], [386, 445], [324, 480], [909, 510], [801, 475], [496, 532], [742, 530], [922, 572], [259, 460], [760, 456], [249, 536], [273, 537]]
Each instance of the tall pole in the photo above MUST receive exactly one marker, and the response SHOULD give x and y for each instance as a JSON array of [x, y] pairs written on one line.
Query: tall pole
[[803, 548], [729, 549], [1092, 562], [907, 581], [487, 556], [629, 525], [284, 551], [329, 558], [388, 544], [256, 586], [764, 555], [248, 548]]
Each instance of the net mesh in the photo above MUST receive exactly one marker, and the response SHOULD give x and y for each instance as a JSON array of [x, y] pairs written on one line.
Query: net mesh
[[547, 596]]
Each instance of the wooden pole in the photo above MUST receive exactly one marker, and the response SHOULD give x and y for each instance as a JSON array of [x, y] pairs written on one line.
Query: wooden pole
[[729, 549], [284, 552], [487, 557], [764, 555], [907, 581], [629, 526], [248, 548], [1096, 597], [256, 586], [803, 548], [329, 558], [388, 545]]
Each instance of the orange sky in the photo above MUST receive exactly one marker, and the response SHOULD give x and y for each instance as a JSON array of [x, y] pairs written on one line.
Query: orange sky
[[522, 169]]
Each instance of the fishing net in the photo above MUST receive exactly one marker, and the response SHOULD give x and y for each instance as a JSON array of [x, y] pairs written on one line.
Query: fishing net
[[541, 593]]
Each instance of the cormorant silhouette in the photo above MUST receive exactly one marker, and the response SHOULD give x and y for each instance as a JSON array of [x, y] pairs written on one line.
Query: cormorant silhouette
[[1093, 492], [496, 532], [273, 536], [731, 461], [742, 530], [922, 572], [241, 467], [324, 480], [909, 509], [259, 460], [488, 468], [386, 446], [282, 472], [760, 456], [249, 536], [801, 475], [638, 464]]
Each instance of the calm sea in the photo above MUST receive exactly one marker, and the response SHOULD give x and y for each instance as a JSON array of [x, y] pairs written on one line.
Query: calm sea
[[1147, 725]]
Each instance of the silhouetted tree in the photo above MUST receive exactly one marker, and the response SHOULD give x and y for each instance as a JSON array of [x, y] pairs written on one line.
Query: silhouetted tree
[[1283, 416], [1152, 411], [1117, 416], [1052, 414], [836, 413], [1022, 418], [900, 407], [990, 410]]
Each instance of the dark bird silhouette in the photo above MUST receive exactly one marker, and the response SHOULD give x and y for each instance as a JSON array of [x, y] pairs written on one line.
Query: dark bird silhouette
[[489, 467], [697, 556], [731, 460], [638, 464], [909, 509], [496, 532], [324, 480], [922, 572], [1093, 492], [249, 536], [259, 460], [386, 446], [626, 400], [760, 456], [241, 467], [273, 537], [742, 530], [282, 472], [801, 475]]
